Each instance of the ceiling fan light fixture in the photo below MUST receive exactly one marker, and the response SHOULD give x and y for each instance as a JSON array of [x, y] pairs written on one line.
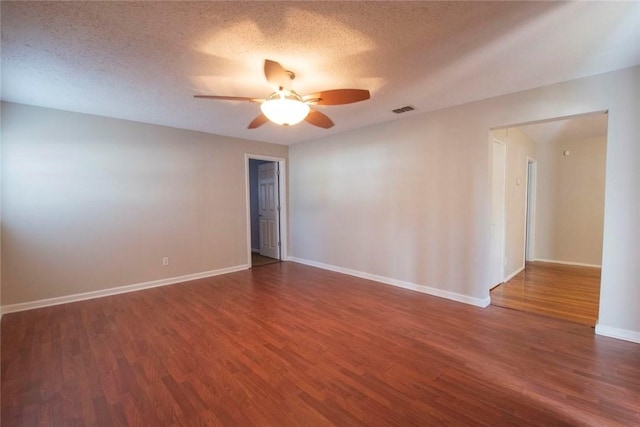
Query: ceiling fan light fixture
[[284, 111], [285, 107]]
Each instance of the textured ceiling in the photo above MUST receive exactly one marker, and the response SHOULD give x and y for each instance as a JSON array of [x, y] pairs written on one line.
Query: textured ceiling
[[143, 61]]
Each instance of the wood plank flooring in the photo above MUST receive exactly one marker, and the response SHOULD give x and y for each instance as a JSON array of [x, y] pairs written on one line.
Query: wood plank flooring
[[291, 345], [563, 291], [258, 260]]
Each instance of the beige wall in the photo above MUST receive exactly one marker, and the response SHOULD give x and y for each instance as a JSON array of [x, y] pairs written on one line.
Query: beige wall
[[398, 200], [409, 199], [570, 201], [91, 203]]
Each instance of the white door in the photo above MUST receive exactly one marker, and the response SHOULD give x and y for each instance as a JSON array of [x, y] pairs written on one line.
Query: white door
[[499, 164], [268, 210]]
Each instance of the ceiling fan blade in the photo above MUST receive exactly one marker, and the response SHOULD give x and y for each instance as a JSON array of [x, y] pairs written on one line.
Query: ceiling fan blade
[[229, 98], [258, 121], [319, 119], [277, 76], [337, 96]]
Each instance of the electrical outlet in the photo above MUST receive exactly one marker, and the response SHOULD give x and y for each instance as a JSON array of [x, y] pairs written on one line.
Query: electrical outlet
[[165, 260]]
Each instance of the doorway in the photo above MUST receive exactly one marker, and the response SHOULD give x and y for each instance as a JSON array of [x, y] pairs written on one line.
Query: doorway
[[554, 215], [265, 215]]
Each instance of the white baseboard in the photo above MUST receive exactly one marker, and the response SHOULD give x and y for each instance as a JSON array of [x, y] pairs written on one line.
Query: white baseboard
[[118, 290], [578, 264], [512, 275], [478, 302], [621, 334]]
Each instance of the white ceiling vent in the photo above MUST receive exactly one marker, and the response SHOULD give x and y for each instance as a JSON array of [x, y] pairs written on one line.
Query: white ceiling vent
[[403, 109]]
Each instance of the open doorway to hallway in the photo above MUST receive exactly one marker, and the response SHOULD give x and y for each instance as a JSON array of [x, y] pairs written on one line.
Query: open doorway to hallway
[[554, 211], [264, 211]]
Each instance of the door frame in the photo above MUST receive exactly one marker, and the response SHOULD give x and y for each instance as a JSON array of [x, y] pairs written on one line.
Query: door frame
[[530, 211], [494, 140], [282, 196]]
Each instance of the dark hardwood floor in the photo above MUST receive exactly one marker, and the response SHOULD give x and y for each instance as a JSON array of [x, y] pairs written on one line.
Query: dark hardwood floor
[[291, 345], [564, 291]]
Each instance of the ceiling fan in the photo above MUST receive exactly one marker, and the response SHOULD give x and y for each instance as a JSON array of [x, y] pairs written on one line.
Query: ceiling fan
[[285, 107]]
